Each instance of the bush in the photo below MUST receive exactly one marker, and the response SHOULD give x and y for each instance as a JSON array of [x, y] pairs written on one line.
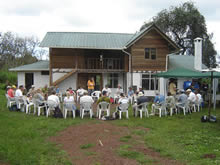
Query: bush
[[8, 77], [2, 86]]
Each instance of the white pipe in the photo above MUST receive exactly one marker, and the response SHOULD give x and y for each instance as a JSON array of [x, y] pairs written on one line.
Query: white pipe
[[130, 71]]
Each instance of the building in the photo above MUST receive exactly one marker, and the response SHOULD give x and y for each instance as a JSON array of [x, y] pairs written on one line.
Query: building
[[111, 58]]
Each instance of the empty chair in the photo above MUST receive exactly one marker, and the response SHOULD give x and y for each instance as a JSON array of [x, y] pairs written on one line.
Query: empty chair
[[69, 106], [123, 108], [199, 104], [103, 106], [142, 108], [86, 107], [10, 102]]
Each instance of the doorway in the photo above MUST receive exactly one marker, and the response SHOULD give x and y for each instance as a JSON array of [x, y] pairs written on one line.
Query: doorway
[[29, 80], [84, 77]]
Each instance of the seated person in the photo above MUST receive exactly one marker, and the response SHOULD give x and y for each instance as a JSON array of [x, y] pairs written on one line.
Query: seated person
[[53, 97], [140, 99], [158, 100], [191, 96], [198, 96], [69, 98], [108, 90], [11, 93], [104, 97], [170, 100], [86, 98], [31, 90], [182, 98], [119, 90], [130, 94], [39, 97], [80, 91], [122, 100]]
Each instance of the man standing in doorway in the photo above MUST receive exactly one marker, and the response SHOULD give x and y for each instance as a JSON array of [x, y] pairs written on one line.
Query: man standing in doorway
[[91, 85]]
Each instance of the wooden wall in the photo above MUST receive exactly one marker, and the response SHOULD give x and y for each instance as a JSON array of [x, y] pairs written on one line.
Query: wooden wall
[[151, 40]]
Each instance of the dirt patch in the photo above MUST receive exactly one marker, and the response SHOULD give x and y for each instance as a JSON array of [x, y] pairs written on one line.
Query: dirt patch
[[97, 143], [75, 137], [210, 156]]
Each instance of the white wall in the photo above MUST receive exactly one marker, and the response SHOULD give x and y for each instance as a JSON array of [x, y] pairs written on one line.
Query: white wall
[[69, 82], [137, 80], [39, 80], [21, 78]]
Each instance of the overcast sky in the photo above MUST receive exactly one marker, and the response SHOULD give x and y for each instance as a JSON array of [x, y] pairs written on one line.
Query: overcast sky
[[36, 17]]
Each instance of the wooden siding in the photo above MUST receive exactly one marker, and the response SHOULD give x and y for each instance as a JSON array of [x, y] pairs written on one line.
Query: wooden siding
[[151, 40]]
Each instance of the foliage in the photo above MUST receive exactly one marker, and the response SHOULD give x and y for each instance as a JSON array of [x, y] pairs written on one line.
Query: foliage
[[16, 50], [86, 146], [183, 24], [8, 78]]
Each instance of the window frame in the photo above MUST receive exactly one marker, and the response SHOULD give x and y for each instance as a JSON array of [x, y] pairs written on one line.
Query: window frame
[[150, 78], [152, 52], [111, 78]]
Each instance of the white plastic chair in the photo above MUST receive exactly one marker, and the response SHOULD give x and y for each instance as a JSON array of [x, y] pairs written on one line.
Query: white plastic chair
[[142, 108], [28, 105], [199, 104], [10, 102], [20, 103], [184, 107], [68, 106], [123, 108], [161, 108], [86, 107], [37, 106], [50, 106], [103, 106], [171, 106], [95, 95]]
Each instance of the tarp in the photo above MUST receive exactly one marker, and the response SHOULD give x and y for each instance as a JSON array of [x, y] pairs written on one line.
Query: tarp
[[186, 73]]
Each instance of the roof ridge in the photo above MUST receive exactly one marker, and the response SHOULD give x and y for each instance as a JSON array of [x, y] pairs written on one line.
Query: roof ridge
[[95, 32]]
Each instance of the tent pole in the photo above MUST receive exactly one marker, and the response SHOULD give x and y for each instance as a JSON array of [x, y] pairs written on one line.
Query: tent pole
[[210, 94]]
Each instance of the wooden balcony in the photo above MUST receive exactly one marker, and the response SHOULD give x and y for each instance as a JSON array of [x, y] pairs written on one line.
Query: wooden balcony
[[105, 63]]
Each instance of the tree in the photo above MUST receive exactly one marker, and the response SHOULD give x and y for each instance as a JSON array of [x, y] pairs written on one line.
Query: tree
[[183, 24], [16, 50]]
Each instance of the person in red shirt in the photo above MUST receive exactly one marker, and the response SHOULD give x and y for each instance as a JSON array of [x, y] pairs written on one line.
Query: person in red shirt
[[11, 92]]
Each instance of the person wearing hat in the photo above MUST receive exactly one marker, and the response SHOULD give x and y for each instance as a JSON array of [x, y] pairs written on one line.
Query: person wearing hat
[[31, 90], [182, 98], [191, 96]]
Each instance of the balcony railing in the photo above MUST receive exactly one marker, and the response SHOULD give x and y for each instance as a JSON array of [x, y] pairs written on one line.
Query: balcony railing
[[105, 63]]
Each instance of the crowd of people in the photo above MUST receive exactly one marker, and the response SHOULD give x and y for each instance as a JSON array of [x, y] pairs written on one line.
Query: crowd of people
[[80, 96]]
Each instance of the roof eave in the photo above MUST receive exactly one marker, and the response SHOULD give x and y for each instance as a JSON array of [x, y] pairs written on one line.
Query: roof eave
[[82, 48]]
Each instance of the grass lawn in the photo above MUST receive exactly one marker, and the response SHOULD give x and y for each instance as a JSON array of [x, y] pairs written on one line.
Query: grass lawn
[[24, 138]]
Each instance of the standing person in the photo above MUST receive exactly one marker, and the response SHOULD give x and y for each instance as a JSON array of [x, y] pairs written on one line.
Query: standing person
[[131, 94], [108, 90], [172, 87], [91, 85]]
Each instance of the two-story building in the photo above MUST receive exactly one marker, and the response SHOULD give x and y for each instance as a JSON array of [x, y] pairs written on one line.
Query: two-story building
[[111, 58]]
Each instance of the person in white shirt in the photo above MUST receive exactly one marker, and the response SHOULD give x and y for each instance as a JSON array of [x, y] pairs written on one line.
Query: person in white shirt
[[54, 98], [122, 100], [19, 91], [80, 92], [86, 98], [191, 96], [108, 90]]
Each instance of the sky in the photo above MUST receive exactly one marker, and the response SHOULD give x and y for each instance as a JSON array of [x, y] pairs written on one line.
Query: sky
[[37, 17]]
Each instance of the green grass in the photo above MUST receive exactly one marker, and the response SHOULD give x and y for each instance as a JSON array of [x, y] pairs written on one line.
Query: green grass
[[180, 137], [86, 146], [24, 139]]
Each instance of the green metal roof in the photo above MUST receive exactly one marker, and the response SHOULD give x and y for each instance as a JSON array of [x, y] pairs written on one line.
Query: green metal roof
[[37, 66], [86, 40]]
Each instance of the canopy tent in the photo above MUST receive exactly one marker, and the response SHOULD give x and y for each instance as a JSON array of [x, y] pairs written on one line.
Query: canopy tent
[[186, 73]]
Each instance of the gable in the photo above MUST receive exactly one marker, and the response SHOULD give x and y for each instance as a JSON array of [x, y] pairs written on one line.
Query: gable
[[152, 39]]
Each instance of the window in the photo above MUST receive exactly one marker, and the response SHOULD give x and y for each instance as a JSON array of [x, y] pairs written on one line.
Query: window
[[150, 53], [44, 72], [113, 80], [149, 82]]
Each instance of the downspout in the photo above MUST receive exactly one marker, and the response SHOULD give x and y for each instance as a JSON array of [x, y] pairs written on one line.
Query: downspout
[[130, 63]]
